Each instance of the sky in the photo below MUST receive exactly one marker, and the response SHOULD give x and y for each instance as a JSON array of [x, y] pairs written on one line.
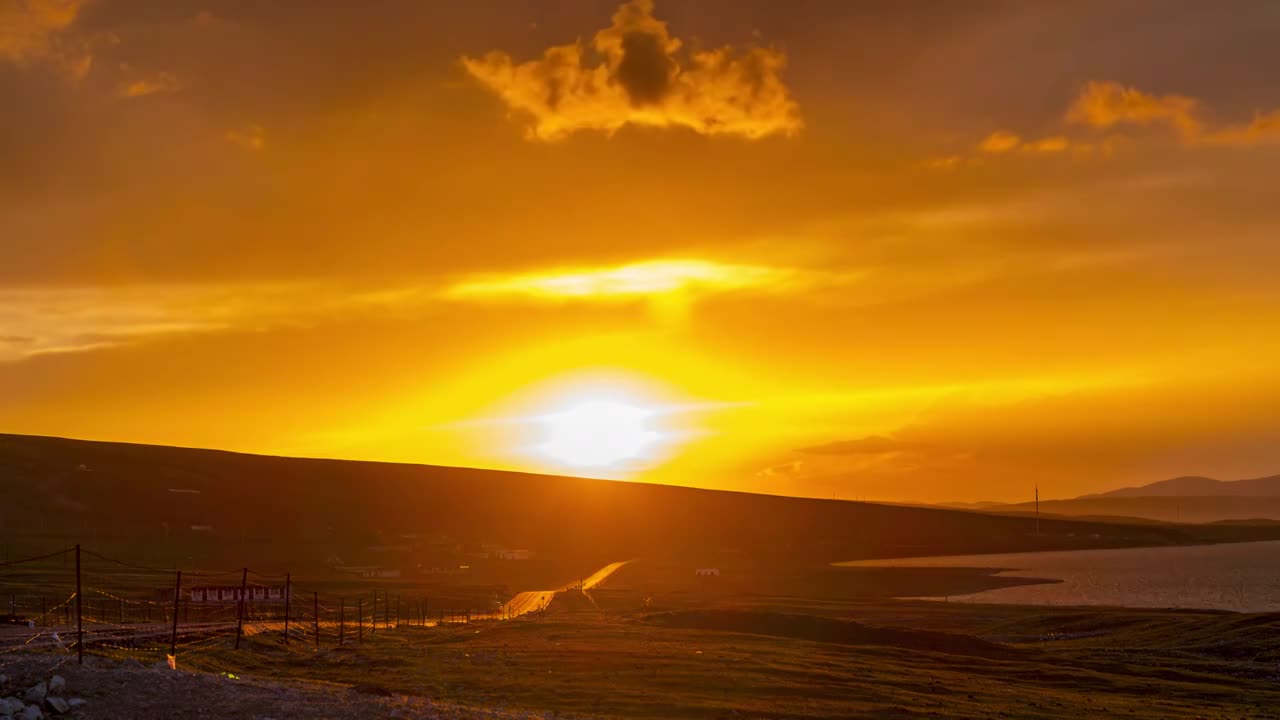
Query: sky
[[924, 251]]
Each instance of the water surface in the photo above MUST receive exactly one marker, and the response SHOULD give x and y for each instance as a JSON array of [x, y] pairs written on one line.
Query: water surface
[[1243, 577]]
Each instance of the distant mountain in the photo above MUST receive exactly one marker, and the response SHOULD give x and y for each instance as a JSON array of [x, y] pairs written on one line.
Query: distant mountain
[[1188, 499], [1196, 486]]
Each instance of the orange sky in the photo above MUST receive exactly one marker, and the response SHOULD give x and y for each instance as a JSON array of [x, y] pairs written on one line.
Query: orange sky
[[919, 251]]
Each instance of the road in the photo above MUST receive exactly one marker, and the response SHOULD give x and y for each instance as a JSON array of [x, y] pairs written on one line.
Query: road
[[538, 600]]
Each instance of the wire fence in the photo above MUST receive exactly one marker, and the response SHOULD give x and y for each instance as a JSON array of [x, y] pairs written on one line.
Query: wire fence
[[76, 601]]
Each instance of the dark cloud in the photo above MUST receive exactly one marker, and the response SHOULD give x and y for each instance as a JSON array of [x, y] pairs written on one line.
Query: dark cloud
[[645, 69]]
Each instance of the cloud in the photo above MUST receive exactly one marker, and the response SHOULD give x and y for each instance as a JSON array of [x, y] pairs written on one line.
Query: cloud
[[34, 31], [250, 137], [53, 320], [871, 445], [162, 82], [1107, 104], [1265, 128], [643, 78], [1000, 141], [1104, 106], [621, 282]]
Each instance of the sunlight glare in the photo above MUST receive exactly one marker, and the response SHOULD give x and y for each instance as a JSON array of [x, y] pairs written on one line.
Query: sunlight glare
[[598, 433]]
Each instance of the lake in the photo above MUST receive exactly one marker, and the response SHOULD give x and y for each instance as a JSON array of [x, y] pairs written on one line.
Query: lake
[[1242, 577]]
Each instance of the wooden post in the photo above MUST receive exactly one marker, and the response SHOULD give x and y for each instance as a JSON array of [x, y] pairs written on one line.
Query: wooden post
[[397, 611], [360, 619], [244, 582], [373, 620], [342, 618], [79, 614], [287, 579], [177, 599], [315, 611]]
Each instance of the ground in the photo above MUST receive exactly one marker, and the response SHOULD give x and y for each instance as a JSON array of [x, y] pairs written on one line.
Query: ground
[[626, 650]]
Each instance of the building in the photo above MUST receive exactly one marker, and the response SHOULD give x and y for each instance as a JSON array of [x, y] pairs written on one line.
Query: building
[[231, 593], [506, 554], [707, 572]]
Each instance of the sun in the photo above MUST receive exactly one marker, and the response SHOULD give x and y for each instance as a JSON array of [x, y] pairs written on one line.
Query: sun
[[598, 433]]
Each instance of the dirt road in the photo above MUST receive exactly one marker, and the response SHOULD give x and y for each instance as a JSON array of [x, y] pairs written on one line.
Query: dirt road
[[536, 600]]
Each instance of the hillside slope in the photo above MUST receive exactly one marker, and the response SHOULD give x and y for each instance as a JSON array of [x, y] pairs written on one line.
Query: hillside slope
[[150, 497]]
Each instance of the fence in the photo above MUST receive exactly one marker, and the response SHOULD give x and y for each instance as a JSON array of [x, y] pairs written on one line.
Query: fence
[[79, 601]]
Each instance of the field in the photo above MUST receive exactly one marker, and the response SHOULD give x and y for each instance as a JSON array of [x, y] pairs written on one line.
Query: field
[[783, 658], [642, 647]]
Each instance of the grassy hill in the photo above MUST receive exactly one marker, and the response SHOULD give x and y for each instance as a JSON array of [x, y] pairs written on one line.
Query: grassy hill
[[146, 500]]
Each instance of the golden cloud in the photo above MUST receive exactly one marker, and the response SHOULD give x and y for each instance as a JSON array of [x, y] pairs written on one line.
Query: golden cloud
[[1106, 104], [162, 82], [251, 137], [1264, 128], [27, 27], [32, 30], [642, 78], [1000, 141], [650, 278]]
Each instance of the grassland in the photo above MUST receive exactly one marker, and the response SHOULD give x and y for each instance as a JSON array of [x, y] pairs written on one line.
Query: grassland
[[779, 660], [640, 647]]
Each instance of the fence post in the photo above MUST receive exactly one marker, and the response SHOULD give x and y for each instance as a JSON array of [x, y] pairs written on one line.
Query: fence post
[[315, 610], [342, 620], [244, 582], [397, 611], [373, 619], [287, 578], [177, 599], [360, 619], [79, 614]]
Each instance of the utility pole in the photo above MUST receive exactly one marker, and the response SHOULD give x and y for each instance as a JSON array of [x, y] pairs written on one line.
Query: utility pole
[[1037, 510], [177, 600], [244, 581], [79, 614], [287, 578]]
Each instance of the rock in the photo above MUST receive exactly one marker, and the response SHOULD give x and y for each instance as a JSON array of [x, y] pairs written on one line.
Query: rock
[[57, 704], [15, 705], [6, 711], [31, 712], [132, 664], [4, 679], [35, 694], [57, 685], [76, 702]]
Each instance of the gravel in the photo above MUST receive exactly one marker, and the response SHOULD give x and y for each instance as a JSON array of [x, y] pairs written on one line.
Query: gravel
[[104, 689]]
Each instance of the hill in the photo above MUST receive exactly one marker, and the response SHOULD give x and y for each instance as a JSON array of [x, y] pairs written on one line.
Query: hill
[[167, 502], [1196, 486]]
